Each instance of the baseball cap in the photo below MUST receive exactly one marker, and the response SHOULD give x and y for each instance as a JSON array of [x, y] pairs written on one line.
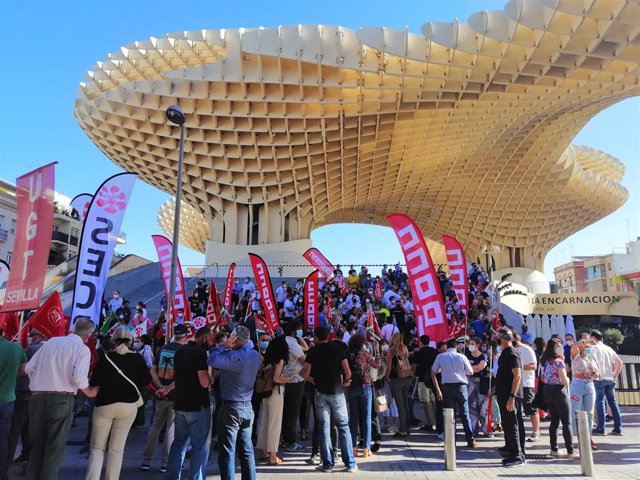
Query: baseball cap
[[180, 330]]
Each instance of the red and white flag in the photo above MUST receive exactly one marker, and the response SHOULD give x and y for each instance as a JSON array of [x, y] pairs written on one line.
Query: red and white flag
[[457, 271], [214, 315], [228, 288], [262, 324], [320, 262], [80, 203], [34, 198], [49, 319], [311, 308], [164, 247], [98, 241], [425, 290], [140, 329], [372, 324], [378, 292], [263, 284]]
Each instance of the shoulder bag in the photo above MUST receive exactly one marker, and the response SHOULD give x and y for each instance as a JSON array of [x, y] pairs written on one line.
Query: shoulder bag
[[139, 402]]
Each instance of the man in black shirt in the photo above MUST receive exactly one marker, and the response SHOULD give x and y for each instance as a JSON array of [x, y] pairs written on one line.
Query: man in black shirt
[[509, 396], [162, 375], [193, 415], [327, 368], [423, 359]]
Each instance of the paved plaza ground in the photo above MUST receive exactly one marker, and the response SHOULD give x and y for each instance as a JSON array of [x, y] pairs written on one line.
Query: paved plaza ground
[[421, 457]]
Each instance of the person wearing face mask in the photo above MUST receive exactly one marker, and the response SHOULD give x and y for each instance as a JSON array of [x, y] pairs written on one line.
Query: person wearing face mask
[[556, 395], [479, 363], [525, 335], [294, 389], [583, 391]]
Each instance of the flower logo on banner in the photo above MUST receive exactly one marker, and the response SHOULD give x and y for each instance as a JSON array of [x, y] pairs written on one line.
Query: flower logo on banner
[[85, 209], [55, 317], [199, 322], [140, 330], [112, 199]]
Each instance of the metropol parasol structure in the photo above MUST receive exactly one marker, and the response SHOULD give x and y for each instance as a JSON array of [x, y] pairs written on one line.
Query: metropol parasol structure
[[465, 126]]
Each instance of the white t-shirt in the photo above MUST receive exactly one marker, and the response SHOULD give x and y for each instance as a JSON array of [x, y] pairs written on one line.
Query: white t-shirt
[[388, 330], [527, 355], [281, 294], [288, 308]]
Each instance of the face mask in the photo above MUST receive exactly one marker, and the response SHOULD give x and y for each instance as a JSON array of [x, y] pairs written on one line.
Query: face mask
[[30, 341], [484, 349], [299, 333], [137, 346], [264, 345], [588, 350], [570, 342], [384, 348], [499, 350], [559, 351], [472, 348]]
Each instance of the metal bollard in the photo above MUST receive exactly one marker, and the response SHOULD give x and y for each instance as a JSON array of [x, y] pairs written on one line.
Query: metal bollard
[[449, 440], [584, 441]]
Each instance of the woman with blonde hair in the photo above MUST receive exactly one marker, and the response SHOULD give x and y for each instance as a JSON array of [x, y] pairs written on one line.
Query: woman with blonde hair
[[399, 375], [118, 378]]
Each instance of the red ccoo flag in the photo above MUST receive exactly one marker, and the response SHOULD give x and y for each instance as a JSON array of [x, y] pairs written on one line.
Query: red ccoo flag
[[10, 324], [214, 316], [372, 324], [49, 319]]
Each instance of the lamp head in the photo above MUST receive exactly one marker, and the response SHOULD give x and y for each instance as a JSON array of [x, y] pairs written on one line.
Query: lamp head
[[175, 115]]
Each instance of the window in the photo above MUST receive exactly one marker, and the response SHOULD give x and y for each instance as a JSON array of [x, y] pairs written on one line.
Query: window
[[9, 256], [56, 228], [74, 232], [1, 220], [13, 227]]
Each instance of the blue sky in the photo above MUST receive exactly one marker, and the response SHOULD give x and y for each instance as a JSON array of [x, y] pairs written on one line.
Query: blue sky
[[47, 48]]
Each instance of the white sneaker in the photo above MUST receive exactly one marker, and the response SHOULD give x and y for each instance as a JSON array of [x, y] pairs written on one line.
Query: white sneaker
[[534, 438]]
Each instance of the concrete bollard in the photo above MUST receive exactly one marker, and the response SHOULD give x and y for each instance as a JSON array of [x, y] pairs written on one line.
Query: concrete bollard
[[584, 441], [449, 440]]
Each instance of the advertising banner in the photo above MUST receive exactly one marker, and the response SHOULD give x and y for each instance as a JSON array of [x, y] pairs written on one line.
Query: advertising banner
[[4, 276], [34, 198], [319, 261], [49, 318], [228, 288], [214, 316], [311, 303], [98, 240], [263, 284], [80, 203], [457, 271], [164, 247], [425, 289]]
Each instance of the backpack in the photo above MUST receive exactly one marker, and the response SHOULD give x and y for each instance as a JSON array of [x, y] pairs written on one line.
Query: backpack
[[404, 369], [264, 380]]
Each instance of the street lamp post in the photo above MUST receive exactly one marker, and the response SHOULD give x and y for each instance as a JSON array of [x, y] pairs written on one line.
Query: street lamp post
[[175, 116]]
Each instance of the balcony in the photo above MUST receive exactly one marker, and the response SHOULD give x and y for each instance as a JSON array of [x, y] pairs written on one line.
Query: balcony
[[73, 240], [4, 235], [60, 237]]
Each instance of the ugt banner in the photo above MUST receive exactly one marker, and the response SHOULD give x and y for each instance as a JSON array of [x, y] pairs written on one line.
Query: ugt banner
[[34, 196], [425, 290], [311, 304], [263, 284], [228, 288], [99, 233], [164, 247], [457, 271], [319, 261], [80, 203]]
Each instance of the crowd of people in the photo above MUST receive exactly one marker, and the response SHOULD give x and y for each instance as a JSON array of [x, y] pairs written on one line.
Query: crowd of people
[[245, 391]]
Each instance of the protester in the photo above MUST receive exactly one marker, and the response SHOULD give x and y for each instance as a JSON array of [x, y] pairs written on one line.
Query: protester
[[423, 360], [191, 406], [116, 383], [610, 366], [293, 389], [556, 395], [455, 370], [479, 364], [13, 360], [56, 372], [509, 399], [238, 363], [529, 368], [584, 370], [326, 366], [162, 375]]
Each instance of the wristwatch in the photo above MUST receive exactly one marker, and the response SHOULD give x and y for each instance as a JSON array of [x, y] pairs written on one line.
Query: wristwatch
[[512, 395]]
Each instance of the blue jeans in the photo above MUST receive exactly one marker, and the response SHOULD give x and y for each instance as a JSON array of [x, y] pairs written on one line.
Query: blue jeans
[[455, 396], [583, 397], [334, 407], [6, 412], [234, 423], [607, 389], [360, 414], [194, 426]]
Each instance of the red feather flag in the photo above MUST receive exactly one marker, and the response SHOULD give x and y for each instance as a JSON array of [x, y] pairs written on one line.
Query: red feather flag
[[214, 316], [10, 324]]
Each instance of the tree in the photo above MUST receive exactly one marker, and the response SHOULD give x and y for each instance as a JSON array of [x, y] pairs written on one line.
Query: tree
[[633, 291], [613, 337]]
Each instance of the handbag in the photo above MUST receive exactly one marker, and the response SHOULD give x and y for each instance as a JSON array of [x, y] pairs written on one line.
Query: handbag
[[139, 402], [538, 400], [404, 368], [380, 402], [485, 380]]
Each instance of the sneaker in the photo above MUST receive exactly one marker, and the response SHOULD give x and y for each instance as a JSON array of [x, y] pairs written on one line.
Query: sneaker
[[145, 467], [617, 433], [472, 444], [163, 469], [573, 454], [534, 438], [428, 429], [599, 433], [294, 447], [375, 446], [440, 437], [555, 452], [325, 469], [313, 460], [353, 469], [513, 462]]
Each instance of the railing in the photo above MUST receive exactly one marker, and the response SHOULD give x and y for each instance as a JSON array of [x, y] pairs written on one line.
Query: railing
[[73, 240], [628, 388], [4, 235], [60, 237]]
